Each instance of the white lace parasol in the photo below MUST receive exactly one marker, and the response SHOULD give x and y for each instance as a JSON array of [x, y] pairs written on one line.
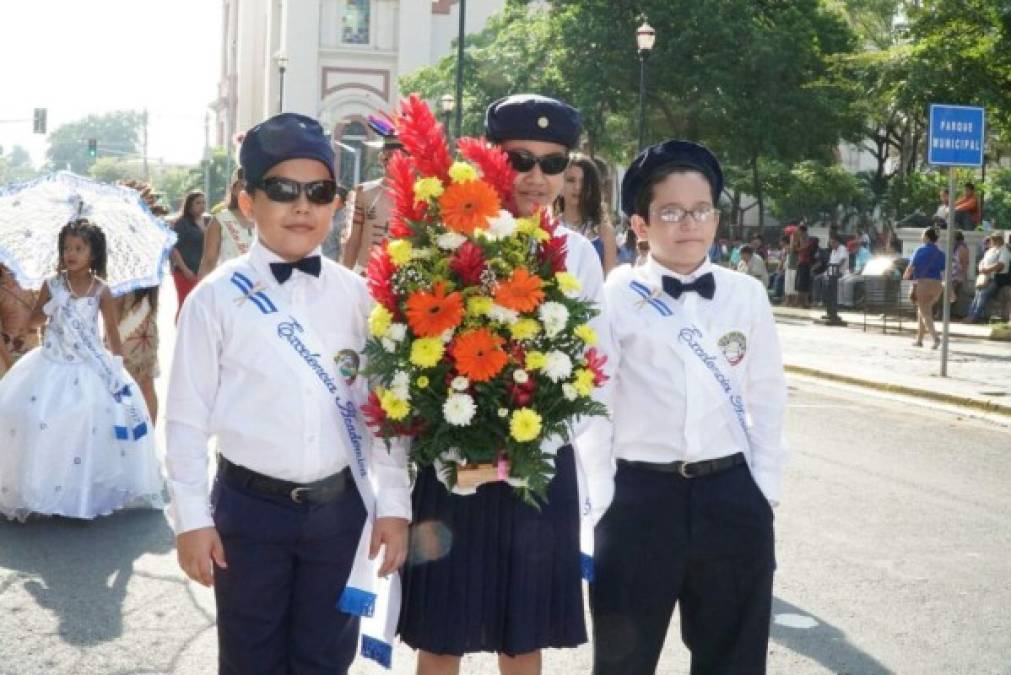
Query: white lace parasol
[[31, 215]]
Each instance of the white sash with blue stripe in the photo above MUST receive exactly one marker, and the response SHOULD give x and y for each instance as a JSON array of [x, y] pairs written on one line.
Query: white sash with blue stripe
[[374, 599], [130, 420], [703, 360]]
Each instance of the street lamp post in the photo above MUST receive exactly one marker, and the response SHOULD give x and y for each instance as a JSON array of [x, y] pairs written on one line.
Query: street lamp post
[[282, 66], [458, 130], [645, 36], [447, 103]]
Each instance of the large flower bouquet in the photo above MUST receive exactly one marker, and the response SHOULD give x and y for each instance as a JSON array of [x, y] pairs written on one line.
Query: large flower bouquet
[[479, 346]]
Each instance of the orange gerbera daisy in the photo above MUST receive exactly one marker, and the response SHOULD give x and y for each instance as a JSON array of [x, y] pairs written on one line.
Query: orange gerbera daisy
[[521, 292], [478, 354], [468, 206], [431, 313]]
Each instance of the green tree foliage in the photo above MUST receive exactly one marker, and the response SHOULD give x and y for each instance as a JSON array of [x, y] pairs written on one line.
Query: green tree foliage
[[997, 207], [113, 169], [752, 81], [118, 134], [16, 166], [815, 191]]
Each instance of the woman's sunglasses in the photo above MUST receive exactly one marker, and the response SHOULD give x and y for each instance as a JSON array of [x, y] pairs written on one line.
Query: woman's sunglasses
[[286, 190], [551, 165]]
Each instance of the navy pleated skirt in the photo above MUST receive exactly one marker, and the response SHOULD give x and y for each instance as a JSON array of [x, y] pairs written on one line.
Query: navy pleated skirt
[[489, 573]]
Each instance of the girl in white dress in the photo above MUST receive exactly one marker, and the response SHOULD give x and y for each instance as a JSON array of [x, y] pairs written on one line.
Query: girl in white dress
[[77, 439]]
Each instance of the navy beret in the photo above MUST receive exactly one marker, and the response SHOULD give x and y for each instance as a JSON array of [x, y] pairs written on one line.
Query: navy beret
[[682, 154], [529, 117], [280, 138]]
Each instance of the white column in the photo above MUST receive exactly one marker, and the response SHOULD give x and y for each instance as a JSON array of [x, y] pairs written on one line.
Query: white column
[[300, 43], [415, 39]]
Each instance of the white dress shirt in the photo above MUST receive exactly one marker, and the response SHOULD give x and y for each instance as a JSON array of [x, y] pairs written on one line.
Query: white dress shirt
[[840, 255], [226, 382], [657, 415]]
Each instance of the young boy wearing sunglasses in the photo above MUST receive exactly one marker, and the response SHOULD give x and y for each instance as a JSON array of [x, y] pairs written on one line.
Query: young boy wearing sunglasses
[[267, 360], [698, 397]]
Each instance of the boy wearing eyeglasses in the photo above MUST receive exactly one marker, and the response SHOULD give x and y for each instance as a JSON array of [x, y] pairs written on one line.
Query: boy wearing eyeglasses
[[698, 397], [267, 360]]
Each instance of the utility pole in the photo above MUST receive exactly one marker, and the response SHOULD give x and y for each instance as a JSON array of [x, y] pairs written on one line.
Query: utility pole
[[147, 173], [207, 156]]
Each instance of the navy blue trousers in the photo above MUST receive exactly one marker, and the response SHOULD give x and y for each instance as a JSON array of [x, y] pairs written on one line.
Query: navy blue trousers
[[703, 544], [287, 566]]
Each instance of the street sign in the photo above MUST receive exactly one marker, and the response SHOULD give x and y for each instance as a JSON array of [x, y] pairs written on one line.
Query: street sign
[[956, 135]]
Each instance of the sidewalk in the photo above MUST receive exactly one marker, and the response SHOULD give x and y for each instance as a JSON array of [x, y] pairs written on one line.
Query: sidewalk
[[979, 370]]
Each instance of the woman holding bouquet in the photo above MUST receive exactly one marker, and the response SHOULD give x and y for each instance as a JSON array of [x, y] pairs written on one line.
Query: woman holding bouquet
[[489, 571]]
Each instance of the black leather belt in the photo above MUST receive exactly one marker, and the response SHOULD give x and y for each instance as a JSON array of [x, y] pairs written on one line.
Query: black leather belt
[[706, 467], [321, 491]]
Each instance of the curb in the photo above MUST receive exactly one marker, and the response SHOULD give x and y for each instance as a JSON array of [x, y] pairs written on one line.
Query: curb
[[950, 399]]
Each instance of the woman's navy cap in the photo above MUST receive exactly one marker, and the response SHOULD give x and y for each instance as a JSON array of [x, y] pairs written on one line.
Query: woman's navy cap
[[529, 117], [280, 138], [680, 154]]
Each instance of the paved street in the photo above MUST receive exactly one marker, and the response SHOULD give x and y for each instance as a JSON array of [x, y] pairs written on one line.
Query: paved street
[[893, 557]]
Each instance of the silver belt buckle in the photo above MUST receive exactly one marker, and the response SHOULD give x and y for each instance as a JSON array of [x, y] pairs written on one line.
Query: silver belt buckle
[[296, 494], [683, 470]]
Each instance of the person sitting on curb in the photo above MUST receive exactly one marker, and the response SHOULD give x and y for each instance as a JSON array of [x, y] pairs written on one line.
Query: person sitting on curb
[[996, 261], [753, 265]]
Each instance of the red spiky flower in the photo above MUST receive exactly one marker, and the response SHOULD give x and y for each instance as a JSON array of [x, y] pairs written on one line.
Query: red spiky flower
[[596, 361], [553, 253], [400, 176], [373, 412], [468, 263], [423, 137], [493, 164], [380, 279]]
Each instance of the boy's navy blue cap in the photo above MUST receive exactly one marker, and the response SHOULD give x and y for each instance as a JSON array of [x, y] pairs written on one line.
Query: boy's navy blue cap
[[529, 117], [680, 154], [280, 138]]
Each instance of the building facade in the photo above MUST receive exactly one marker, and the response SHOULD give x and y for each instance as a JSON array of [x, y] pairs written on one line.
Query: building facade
[[335, 60]]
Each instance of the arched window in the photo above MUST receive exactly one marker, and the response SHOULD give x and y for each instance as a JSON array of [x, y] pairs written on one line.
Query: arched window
[[351, 161]]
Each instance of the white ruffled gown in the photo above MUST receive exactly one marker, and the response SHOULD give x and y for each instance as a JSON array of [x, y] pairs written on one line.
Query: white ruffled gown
[[68, 447]]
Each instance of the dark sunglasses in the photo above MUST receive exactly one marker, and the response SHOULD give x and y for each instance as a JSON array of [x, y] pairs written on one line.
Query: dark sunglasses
[[551, 165], [286, 190]]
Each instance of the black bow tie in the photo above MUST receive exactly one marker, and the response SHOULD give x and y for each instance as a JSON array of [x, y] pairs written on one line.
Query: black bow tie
[[282, 270], [705, 286]]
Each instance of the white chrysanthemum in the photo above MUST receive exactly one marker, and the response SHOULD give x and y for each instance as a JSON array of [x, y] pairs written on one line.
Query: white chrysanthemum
[[503, 314], [447, 335], [450, 241], [389, 345], [460, 383], [557, 366], [503, 412], [520, 376], [554, 316], [569, 392], [459, 409], [401, 385], [502, 226], [397, 332]]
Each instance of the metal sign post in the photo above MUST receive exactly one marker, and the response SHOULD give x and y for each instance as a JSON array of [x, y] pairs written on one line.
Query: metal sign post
[[956, 137]]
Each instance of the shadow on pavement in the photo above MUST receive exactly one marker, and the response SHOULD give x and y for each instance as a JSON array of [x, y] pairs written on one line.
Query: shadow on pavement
[[823, 643], [80, 569]]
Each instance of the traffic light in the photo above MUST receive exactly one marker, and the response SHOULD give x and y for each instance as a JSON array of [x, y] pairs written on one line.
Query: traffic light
[[92, 147], [39, 121]]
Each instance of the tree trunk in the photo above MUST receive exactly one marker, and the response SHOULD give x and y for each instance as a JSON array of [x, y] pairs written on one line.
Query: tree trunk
[[756, 186]]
